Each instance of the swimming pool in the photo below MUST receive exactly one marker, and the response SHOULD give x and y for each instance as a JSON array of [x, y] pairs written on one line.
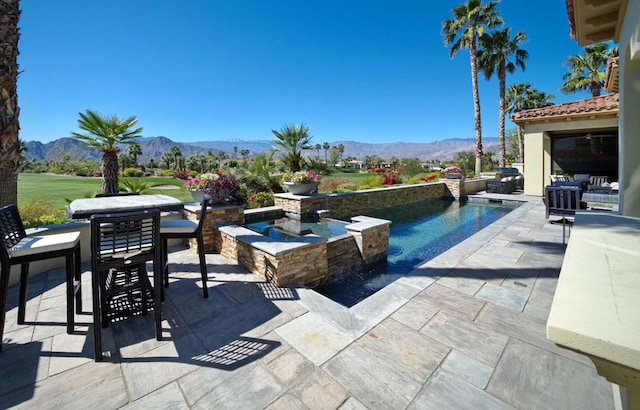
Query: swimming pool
[[418, 233]]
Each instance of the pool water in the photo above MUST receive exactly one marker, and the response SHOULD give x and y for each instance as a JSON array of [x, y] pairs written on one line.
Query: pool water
[[287, 229], [418, 232]]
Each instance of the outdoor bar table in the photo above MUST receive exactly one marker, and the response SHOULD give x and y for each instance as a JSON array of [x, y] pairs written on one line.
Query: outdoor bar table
[[85, 207]]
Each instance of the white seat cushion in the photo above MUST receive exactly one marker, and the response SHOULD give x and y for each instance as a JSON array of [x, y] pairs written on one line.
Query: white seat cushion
[[170, 226], [32, 245]]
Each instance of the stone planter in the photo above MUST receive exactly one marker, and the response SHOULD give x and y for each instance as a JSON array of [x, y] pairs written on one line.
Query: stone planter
[[300, 189]]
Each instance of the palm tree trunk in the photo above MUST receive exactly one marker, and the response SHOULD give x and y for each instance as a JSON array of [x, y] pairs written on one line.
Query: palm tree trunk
[[110, 173], [501, 143], [520, 144], [476, 102], [595, 88], [10, 163]]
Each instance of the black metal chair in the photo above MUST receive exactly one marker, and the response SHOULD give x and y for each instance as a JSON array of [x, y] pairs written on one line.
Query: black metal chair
[[121, 244], [562, 201], [18, 248], [186, 228]]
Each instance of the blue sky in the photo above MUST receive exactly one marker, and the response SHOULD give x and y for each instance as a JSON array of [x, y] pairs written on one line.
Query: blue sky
[[201, 70]]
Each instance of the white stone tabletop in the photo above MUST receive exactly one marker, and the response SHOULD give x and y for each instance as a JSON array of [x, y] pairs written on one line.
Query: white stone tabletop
[[85, 207]]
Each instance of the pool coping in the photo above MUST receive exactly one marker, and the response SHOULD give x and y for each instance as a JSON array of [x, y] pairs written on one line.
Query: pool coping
[[363, 316]]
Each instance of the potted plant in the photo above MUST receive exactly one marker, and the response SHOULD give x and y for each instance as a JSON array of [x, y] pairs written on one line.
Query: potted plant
[[301, 182], [452, 172], [220, 187]]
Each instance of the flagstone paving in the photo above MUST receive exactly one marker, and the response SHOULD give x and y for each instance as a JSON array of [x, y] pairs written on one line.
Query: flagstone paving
[[465, 330]]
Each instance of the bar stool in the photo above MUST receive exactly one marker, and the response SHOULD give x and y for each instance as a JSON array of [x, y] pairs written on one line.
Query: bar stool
[[121, 244], [18, 248], [186, 228]]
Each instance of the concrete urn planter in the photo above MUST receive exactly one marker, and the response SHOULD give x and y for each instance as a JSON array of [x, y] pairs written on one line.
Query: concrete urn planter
[[300, 189]]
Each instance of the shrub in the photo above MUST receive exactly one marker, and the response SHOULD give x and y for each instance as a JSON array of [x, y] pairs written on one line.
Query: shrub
[[132, 172], [169, 173], [375, 181], [40, 212], [261, 199], [182, 175], [193, 174], [133, 185], [336, 184]]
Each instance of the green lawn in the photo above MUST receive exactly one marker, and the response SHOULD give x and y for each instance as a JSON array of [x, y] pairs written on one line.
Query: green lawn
[[59, 188]]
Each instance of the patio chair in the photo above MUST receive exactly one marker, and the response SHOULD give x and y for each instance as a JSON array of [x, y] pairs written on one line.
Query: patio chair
[[559, 178], [18, 248], [562, 201], [121, 244], [185, 228]]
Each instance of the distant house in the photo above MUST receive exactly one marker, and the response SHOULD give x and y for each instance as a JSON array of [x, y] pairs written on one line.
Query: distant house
[[353, 164]]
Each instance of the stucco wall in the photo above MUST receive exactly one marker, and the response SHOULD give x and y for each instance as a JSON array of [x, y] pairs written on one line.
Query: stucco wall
[[629, 118]]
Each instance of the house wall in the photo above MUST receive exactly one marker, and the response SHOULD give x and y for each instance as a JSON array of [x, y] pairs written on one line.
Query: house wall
[[629, 43], [537, 147]]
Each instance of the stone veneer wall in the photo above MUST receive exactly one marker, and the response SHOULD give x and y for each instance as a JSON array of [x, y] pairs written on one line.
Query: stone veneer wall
[[454, 188], [354, 203], [214, 215], [309, 260], [305, 264], [357, 249]]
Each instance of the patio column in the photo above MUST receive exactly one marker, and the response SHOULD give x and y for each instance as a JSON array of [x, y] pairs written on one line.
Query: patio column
[[537, 162]]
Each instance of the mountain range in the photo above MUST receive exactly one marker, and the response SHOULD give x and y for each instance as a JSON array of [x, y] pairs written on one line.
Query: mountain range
[[154, 147]]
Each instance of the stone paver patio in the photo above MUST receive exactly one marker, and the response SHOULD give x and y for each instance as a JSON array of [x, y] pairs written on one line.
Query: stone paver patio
[[465, 330]]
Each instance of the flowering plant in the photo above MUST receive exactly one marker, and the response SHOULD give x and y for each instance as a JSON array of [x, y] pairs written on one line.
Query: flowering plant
[[452, 170], [220, 187], [301, 177]]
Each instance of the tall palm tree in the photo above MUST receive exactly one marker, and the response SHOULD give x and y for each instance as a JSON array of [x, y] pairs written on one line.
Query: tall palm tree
[[105, 133], [502, 54], [522, 96], [10, 158], [291, 139], [134, 151], [317, 148], [325, 147], [470, 20], [587, 71]]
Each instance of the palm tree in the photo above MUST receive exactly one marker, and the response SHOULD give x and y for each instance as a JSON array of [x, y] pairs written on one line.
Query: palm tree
[[105, 133], [133, 151], [587, 71], [341, 151], [522, 96], [175, 154], [498, 50], [245, 154], [10, 158], [291, 139], [325, 147], [317, 148], [470, 20]]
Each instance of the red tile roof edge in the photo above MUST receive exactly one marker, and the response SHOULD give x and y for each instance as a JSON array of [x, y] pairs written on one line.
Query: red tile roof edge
[[609, 102]]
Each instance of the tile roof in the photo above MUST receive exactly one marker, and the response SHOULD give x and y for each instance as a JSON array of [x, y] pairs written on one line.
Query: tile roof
[[603, 103]]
